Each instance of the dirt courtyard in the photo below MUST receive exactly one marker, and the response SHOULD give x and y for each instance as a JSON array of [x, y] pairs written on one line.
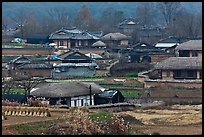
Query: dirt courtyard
[[169, 120]]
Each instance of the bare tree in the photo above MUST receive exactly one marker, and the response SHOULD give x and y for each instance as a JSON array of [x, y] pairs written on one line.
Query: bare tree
[[169, 10], [188, 24], [85, 20], [145, 13], [59, 17], [21, 18], [7, 85]]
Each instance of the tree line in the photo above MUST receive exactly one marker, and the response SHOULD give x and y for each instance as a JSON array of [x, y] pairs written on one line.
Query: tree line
[[177, 20]]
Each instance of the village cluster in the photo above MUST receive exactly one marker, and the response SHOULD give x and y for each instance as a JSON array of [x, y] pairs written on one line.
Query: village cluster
[[72, 53]]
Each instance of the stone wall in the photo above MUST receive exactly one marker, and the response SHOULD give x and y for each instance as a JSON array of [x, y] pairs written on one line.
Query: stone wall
[[184, 84], [27, 51], [160, 57]]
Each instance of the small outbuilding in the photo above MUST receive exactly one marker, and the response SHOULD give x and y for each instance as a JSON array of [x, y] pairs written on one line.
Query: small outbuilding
[[108, 96]]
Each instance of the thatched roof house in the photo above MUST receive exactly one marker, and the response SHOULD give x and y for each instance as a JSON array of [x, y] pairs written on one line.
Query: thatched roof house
[[99, 44], [115, 36], [180, 63], [63, 90], [190, 45]]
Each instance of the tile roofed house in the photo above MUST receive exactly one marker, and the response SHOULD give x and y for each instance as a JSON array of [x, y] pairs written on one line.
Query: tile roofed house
[[20, 60], [74, 57], [74, 64], [170, 42], [128, 25], [71, 93], [26, 67], [72, 38]]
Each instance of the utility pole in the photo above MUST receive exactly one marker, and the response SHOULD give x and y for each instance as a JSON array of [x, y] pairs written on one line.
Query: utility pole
[[90, 95]]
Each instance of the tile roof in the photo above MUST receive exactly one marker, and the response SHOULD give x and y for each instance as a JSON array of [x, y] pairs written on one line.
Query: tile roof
[[73, 34], [35, 66]]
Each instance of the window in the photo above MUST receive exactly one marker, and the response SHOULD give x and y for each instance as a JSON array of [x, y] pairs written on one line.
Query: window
[[168, 74], [177, 74], [191, 73], [82, 102], [194, 54], [61, 43]]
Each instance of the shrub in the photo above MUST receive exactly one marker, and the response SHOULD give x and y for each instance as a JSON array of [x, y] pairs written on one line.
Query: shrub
[[81, 122], [120, 69]]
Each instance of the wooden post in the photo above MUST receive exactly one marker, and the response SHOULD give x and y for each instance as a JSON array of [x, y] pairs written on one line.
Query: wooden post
[[198, 74], [90, 95]]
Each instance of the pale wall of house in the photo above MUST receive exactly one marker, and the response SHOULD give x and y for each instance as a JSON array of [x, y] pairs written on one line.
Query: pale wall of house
[[75, 72], [160, 57], [200, 54], [66, 43], [37, 72], [86, 101], [124, 42], [164, 75]]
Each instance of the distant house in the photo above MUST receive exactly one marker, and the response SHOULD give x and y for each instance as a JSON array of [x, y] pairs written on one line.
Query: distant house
[[142, 51], [169, 44], [38, 39], [184, 70], [23, 66], [74, 64], [192, 48], [13, 64], [142, 32], [36, 69], [108, 96], [128, 25], [115, 39], [72, 94], [74, 38], [180, 68], [150, 34]]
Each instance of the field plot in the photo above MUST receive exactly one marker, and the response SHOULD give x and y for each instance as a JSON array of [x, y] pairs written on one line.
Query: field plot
[[169, 120]]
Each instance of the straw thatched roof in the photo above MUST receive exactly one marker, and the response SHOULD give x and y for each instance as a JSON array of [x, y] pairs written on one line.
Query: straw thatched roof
[[180, 63], [99, 44], [69, 89], [190, 45], [114, 36]]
